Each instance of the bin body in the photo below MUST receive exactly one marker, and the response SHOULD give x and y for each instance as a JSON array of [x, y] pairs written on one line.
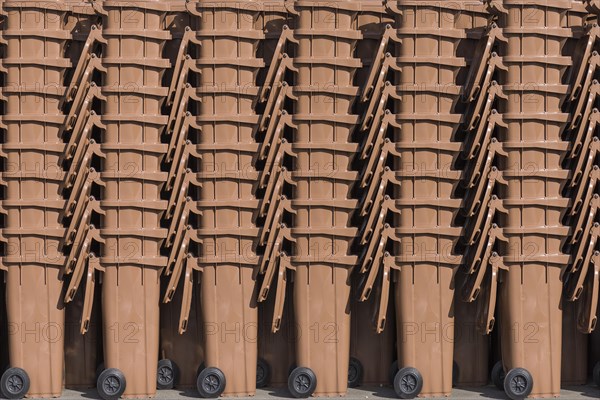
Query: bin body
[[322, 198], [131, 200], [530, 293], [228, 62], [433, 70], [33, 87]]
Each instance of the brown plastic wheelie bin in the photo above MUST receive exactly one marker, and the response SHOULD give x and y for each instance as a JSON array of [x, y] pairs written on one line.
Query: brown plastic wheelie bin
[[131, 261], [323, 149], [531, 287], [35, 67], [433, 60], [228, 66]]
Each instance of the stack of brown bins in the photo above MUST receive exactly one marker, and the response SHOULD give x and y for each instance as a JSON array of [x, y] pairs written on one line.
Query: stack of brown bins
[[34, 122], [131, 206], [322, 177], [533, 253], [411, 175], [580, 297], [48, 200], [226, 38], [230, 194]]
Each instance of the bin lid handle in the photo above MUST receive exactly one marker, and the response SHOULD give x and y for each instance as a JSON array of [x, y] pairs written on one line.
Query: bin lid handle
[[377, 72], [588, 305], [90, 288], [188, 287], [284, 265], [278, 63], [481, 60], [584, 53], [377, 105], [486, 309]]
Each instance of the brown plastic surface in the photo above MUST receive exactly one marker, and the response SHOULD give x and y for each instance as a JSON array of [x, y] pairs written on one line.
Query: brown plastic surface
[[432, 68], [35, 68], [131, 259], [229, 36], [327, 35], [533, 256]]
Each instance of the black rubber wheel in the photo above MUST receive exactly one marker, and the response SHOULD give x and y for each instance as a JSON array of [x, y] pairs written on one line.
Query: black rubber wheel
[[596, 374], [111, 384], [302, 382], [166, 374], [14, 383], [211, 383], [263, 373], [518, 383], [498, 375], [355, 373], [393, 371], [408, 383], [455, 373]]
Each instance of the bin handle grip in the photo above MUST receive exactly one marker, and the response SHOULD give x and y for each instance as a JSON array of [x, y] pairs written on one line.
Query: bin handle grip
[[174, 265], [179, 167], [83, 70], [284, 265], [587, 306], [372, 168], [483, 135], [581, 113], [273, 133], [376, 248], [384, 296], [271, 250], [473, 226], [273, 72], [376, 72], [384, 205], [482, 164], [486, 315], [575, 286], [180, 68], [90, 289], [584, 52], [592, 207], [588, 186], [191, 265], [82, 252], [585, 163], [377, 105], [274, 216], [475, 199], [481, 109], [481, 60], [82, 217], [377, 132], [81, 189], [387, 176], [273, 109]]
